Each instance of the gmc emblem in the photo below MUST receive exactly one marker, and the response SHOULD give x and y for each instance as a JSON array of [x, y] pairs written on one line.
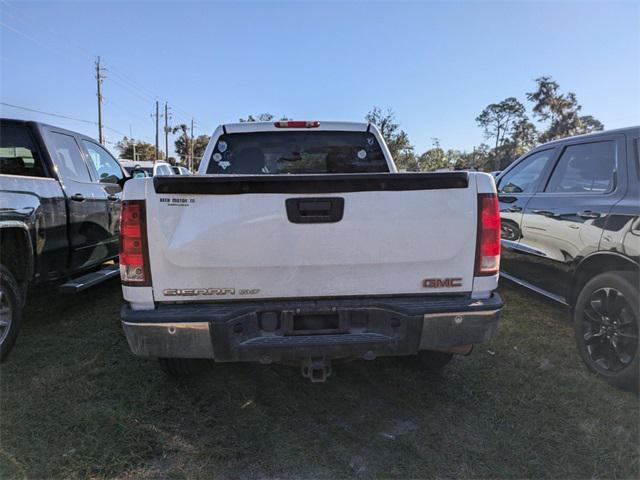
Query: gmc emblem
[[442, 282]]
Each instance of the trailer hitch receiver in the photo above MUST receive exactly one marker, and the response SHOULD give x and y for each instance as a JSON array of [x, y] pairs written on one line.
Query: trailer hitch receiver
[[316, 369]]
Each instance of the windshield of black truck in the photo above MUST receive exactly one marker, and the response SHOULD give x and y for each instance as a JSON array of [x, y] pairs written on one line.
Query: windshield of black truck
[[297, 152]]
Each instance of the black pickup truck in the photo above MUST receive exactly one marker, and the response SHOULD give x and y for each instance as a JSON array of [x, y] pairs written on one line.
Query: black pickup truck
[[59, 215], [570, 212]]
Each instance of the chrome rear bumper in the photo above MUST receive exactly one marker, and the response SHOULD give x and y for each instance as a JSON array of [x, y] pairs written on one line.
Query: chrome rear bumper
[[265, 331], [169, 340]]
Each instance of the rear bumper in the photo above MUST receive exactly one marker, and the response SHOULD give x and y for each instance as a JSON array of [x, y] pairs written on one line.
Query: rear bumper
[[273, 331]]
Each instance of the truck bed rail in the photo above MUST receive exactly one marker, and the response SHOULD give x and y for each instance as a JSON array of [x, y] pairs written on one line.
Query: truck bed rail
[[321, 183]]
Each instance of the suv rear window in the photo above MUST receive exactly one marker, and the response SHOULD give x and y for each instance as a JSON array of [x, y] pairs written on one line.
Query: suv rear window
[[297, 152]]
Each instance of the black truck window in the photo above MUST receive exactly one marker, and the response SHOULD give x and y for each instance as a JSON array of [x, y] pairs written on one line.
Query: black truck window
[[586, 168], [18, 154], [106, 166], [68, 158]]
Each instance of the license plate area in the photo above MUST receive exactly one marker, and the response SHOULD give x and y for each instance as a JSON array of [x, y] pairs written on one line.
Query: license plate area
[[330, 321], [316, 324]]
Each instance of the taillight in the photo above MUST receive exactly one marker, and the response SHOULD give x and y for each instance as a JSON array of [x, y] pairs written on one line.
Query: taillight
[[488, 240], [134, 258], [296, 124]]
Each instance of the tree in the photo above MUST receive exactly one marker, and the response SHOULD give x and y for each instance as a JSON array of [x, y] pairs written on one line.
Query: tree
[[434, 159], [523, 138], [591, 124], [407, 161], [183, 142], [263, 117], [183, 146], [478, 159], [396, 139], [524, 134], [200, 145], [499, 119], [561, 111], [144, 151]]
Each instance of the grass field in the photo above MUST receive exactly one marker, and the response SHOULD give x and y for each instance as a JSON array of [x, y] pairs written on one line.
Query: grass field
[[75, 404]]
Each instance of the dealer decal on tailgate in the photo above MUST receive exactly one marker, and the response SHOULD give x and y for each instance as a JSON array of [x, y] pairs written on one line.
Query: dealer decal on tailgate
[[177, 202]]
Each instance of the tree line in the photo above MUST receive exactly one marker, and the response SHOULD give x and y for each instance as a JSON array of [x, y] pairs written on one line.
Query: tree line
[[146, 151], [508, 130]]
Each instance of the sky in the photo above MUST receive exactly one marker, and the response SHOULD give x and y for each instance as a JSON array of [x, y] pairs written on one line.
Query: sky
[[436, 64]]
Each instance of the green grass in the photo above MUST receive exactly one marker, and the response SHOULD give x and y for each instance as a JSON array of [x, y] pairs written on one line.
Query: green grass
[[75, 404]]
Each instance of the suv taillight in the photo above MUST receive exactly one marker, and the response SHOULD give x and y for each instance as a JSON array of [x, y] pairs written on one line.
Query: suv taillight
[[488, 240], [134, 257]]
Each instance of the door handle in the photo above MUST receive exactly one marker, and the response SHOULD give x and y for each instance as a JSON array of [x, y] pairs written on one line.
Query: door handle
[[78, 197], [514, 209], [589, 214], [112, 198], [507, 198]]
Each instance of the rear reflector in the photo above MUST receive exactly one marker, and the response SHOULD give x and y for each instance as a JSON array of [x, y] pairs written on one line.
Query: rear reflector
[[488, 238], [296, 124], [134, 257]]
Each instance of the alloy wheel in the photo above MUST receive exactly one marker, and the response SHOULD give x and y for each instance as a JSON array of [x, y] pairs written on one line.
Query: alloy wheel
[[611, 330]]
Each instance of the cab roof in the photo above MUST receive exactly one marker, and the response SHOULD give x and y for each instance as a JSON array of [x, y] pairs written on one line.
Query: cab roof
[[272, 126]]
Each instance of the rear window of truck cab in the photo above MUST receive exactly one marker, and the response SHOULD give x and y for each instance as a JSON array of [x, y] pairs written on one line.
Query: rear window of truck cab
[[297, 152], [18, 155]]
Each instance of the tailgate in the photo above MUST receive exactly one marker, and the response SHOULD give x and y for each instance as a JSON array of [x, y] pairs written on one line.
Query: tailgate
[[230, 237]]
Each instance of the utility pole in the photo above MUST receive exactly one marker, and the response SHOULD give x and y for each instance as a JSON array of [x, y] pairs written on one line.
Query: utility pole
[[157, 128], [157, 115], [191, 148], [496, 165], [99, 79], [133, 142], [166, 130]]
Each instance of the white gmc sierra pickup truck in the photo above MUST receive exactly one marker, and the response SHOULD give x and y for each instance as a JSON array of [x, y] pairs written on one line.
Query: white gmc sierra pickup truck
[[300, 242]]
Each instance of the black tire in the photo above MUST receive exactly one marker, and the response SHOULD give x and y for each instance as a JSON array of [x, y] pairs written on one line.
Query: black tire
[[180, 367], [607, 327], [434, 361], [11, 307]]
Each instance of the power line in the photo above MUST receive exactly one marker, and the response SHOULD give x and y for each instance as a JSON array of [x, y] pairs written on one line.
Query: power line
[[33, 39], [89, 122], [118, 78], [66, 55], [47, 113], [133, 84], [58, 52], [114, 130], [110, 102], [124, 79], [130, 89]]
